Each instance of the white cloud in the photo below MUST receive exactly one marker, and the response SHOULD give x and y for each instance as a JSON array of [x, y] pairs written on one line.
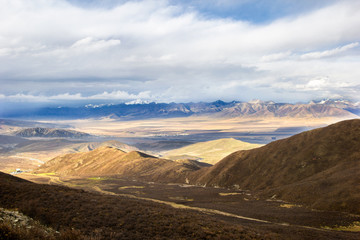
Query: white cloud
[[20, 97], [329, 53], [314, 84], [12, 51], [115, 95], [276, 56], [64, 96], [88, 44], [121, 95], [172, 52]]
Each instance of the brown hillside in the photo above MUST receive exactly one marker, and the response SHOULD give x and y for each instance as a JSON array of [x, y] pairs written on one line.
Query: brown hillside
[[106, 161], [99, 216], [320, 168]]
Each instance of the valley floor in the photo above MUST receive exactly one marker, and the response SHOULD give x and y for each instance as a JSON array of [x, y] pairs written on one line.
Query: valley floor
[[196, 128], [235, 207]]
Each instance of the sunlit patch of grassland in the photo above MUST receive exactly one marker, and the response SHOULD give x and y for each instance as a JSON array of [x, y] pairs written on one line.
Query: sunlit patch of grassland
[[354, 227], [98, 178], [210, 152], [45, 174], [182, 199], [229, 194], [8, 170], [288, 205], [127, 187]]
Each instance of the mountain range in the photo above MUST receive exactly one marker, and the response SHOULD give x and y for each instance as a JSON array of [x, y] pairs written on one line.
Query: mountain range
[[126, 111]]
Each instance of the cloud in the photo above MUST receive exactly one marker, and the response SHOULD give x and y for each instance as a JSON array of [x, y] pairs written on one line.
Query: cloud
[[12, 51], [89, 44], [315, 84], [115, 95], [121, 95], [64, 96], [329, 53], [174, 52], [276, 56]]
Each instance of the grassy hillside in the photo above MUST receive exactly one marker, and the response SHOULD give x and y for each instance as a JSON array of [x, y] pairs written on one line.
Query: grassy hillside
[[107, 161], [319, 168], [210, 152], [110, 217], [45, 150]]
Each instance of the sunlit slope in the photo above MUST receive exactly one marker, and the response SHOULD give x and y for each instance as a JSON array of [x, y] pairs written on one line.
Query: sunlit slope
[[108, 161], [45, 150], [212, 151], [320, 168]]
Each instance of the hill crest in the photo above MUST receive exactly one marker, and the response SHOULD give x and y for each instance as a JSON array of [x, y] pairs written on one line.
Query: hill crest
[[211, 151]]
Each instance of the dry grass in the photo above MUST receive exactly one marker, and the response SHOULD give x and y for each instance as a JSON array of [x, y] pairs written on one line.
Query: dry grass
[[17, 226], [229, 194], [112, 217], [46, 174], [288, 205], [106, 161], [212, 151], [354, 227]]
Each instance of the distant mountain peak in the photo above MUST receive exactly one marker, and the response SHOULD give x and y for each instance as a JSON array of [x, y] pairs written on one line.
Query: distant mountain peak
[[256, 101], [219, 102]]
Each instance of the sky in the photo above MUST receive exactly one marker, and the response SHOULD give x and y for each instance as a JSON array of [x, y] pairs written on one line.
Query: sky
[[76, 51]]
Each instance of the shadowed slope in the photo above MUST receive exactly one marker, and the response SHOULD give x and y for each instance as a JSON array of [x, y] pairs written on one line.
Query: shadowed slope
[[106, 161], [50, 132], [212, 151], [320, 168], [99, 216]]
